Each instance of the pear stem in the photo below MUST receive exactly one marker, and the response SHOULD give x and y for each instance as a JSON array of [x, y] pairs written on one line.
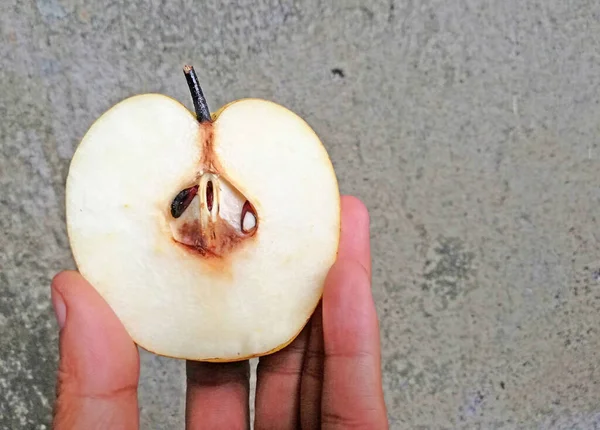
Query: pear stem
[[200, 105]]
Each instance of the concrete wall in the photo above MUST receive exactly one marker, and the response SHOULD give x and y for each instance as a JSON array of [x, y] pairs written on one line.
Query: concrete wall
[[469, 128]]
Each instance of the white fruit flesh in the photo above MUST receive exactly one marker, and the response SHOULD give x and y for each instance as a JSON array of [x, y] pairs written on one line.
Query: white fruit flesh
[[174, 301], [248, 222]]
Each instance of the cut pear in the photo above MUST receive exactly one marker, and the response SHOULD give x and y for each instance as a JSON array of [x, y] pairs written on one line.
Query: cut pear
[[210, 238]]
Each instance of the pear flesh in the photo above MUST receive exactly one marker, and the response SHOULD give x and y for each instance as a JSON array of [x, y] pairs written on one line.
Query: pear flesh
[[236, 274]]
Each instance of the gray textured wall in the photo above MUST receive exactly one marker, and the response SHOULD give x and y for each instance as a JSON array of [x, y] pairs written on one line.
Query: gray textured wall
[[470, 129]]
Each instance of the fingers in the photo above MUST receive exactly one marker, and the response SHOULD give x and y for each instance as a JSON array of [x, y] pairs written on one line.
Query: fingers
[[278, 386], [354, 245], [312, 375], [289, 382], [99, 363], [352, 390], [217, 395]]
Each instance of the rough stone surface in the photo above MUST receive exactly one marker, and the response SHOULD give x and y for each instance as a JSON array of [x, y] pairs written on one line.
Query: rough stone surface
[[469, 128]]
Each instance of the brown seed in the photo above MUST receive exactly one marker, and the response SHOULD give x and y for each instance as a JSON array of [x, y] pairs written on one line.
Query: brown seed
[[182, 201], [209, 195]]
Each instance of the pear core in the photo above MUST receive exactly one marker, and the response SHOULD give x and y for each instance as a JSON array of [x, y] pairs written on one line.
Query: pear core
[[206, 238]]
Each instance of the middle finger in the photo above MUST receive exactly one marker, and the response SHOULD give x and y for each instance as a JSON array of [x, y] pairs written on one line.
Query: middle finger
[[217, 395]]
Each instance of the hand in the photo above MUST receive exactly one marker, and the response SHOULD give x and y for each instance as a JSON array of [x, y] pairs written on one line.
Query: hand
[[329, 377]]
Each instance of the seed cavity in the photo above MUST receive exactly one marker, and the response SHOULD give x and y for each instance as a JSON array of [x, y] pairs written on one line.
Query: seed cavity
[[212, 218], [182, 201]]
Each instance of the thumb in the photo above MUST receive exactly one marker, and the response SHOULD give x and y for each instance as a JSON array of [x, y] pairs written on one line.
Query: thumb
[[99, 363]]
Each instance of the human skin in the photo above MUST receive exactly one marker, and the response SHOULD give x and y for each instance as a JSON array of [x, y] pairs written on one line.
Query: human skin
[[329, 377]]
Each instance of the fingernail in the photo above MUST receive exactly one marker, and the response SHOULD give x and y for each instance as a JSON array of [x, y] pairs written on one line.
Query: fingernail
[[60, 309]]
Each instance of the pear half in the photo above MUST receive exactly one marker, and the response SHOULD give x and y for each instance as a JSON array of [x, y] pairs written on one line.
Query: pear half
[[210, 236]]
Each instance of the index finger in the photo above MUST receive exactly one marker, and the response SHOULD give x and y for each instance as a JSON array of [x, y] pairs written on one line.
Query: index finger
[[352, 386]]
